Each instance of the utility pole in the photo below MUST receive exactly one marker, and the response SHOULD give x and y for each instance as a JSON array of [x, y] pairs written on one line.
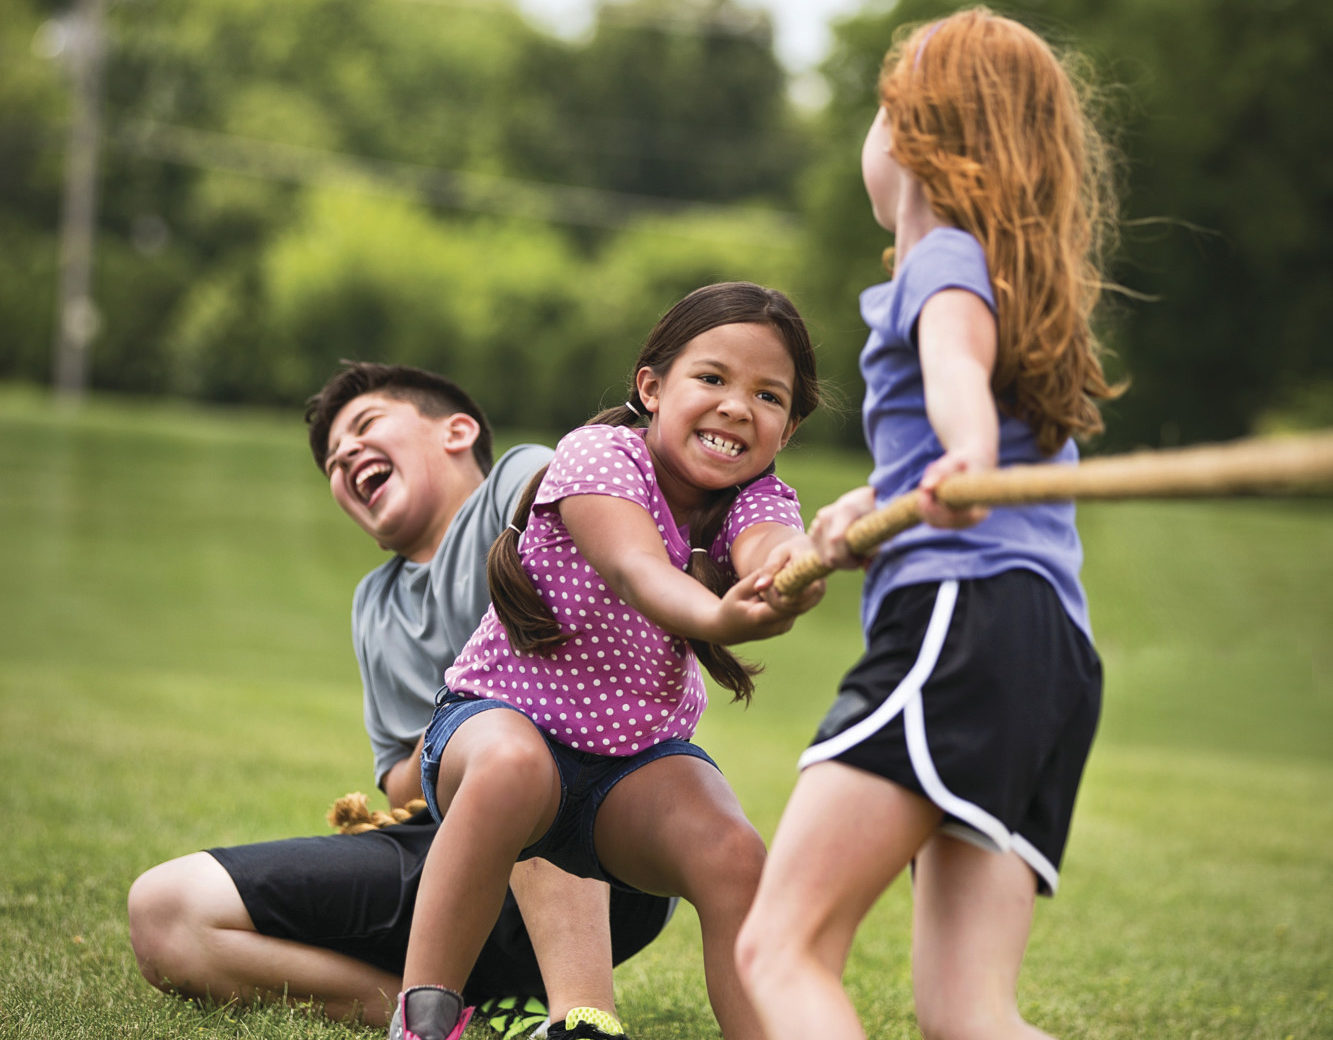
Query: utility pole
[[77, 317]]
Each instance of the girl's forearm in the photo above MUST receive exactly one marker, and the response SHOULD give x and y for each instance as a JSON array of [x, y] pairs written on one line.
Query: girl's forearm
[[962, 413], [621, 541], [668, 597]]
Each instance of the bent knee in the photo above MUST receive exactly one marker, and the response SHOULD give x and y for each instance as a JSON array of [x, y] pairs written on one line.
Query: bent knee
[[156, 911], [731, 860], [741, 847], [766, 958], [513, 773], [172, 908], [751, 948]]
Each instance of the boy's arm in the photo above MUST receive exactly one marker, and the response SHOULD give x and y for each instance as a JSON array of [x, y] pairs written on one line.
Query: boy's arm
[[402, 783]]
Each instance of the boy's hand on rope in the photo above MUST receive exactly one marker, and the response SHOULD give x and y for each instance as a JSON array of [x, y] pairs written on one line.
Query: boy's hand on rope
[[351, 814]]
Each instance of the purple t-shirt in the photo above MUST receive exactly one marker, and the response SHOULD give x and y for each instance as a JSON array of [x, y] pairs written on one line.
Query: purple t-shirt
[[1040, 538], [620, 683]]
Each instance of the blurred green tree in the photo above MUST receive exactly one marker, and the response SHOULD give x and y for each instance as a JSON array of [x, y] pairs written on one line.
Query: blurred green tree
[[1217, 106], [284, 185]]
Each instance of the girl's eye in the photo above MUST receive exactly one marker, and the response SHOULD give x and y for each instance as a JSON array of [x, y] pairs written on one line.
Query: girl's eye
[[771, 398], [711, 378]]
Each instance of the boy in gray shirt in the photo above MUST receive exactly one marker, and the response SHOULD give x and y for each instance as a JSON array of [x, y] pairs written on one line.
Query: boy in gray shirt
[[408, 458]]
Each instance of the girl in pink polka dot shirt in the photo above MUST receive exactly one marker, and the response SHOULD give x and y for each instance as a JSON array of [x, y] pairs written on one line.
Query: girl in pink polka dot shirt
[[647, 546]]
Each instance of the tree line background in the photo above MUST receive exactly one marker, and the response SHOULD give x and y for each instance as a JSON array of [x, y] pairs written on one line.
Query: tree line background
[[442, 183]]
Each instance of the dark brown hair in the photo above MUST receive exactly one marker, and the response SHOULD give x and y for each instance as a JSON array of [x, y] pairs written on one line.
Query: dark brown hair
[[432, 395], [527, 619]]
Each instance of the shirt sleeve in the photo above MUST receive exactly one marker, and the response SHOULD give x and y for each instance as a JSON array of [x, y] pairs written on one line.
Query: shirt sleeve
[[599, 460], [509, 479], [765, 501], [945, 259]]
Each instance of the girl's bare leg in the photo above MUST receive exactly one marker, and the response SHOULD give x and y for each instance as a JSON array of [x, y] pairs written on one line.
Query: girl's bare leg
[[844, 836], [569, 922], [972, 915], [675, 827], [499, 790]]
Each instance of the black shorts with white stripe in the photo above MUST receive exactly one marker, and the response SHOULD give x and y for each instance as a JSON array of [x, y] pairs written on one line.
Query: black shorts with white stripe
[[982, 696]]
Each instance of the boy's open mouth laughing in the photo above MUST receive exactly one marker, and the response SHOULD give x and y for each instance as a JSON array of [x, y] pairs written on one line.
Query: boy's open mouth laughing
[[369, 477]]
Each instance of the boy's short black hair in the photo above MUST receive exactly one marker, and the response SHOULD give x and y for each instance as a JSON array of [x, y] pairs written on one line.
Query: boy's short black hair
[[431, 394]]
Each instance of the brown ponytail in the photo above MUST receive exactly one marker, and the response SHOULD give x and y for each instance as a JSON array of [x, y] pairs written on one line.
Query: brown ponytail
[[728, 671]]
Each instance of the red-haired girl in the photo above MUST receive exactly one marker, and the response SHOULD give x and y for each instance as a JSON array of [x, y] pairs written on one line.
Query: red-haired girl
[[957, 742]]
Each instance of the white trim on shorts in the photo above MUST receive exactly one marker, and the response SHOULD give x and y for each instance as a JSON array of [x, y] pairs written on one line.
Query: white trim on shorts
[[971, 823]]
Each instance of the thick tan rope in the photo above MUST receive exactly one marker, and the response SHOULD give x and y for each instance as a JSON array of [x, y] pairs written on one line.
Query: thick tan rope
[[351, 814], [1287, 465]]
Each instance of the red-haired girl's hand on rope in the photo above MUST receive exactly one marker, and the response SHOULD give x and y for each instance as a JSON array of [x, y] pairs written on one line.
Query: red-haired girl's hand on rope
[[786, 552], [935, 512], [828, 530]]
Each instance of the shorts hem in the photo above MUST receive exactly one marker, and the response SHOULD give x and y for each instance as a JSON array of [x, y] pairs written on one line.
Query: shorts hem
[[965, 820]]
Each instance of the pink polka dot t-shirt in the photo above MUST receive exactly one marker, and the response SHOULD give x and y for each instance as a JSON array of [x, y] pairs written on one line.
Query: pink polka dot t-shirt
[[620, 683]]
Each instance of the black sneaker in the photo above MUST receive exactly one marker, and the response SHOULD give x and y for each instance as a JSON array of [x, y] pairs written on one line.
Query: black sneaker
[[586, 1024], [513, 1018]]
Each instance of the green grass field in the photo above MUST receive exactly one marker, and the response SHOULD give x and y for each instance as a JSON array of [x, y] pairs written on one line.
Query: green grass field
[[176, 672]]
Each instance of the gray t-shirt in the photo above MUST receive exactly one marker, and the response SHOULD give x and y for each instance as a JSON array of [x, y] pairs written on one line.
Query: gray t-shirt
[[409, 620]]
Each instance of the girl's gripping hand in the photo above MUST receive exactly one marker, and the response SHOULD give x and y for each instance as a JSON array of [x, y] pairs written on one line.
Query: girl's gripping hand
[[935, 512], [744, 613], [793, 548], [828, 530]]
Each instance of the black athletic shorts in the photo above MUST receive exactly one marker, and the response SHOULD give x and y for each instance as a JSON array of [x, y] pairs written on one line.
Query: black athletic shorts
[[354, 894], [982, 696]]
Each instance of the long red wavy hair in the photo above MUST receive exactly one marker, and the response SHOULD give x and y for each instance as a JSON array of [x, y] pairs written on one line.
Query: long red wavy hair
[[997, 129]]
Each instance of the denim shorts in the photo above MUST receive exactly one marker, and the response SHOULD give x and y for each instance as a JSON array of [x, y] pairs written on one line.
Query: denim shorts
[[585, 781]]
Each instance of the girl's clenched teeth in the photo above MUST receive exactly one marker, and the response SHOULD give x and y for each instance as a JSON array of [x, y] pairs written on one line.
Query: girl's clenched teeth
[[721, 444]]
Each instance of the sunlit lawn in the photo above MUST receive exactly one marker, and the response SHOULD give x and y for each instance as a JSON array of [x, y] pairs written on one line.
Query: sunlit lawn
[[176, 672]]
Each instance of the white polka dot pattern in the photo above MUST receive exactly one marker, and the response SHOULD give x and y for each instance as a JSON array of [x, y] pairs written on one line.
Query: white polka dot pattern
[[620, 684]]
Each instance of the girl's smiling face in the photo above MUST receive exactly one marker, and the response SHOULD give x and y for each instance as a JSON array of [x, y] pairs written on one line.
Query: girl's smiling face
[[720, 412]]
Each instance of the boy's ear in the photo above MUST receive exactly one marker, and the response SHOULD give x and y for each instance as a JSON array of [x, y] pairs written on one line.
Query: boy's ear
[[460, 432], [649, 386]]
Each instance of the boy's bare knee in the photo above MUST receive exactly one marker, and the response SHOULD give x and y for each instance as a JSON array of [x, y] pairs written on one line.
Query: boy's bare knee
[[156, 907], [749, 951], [175, 909]]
